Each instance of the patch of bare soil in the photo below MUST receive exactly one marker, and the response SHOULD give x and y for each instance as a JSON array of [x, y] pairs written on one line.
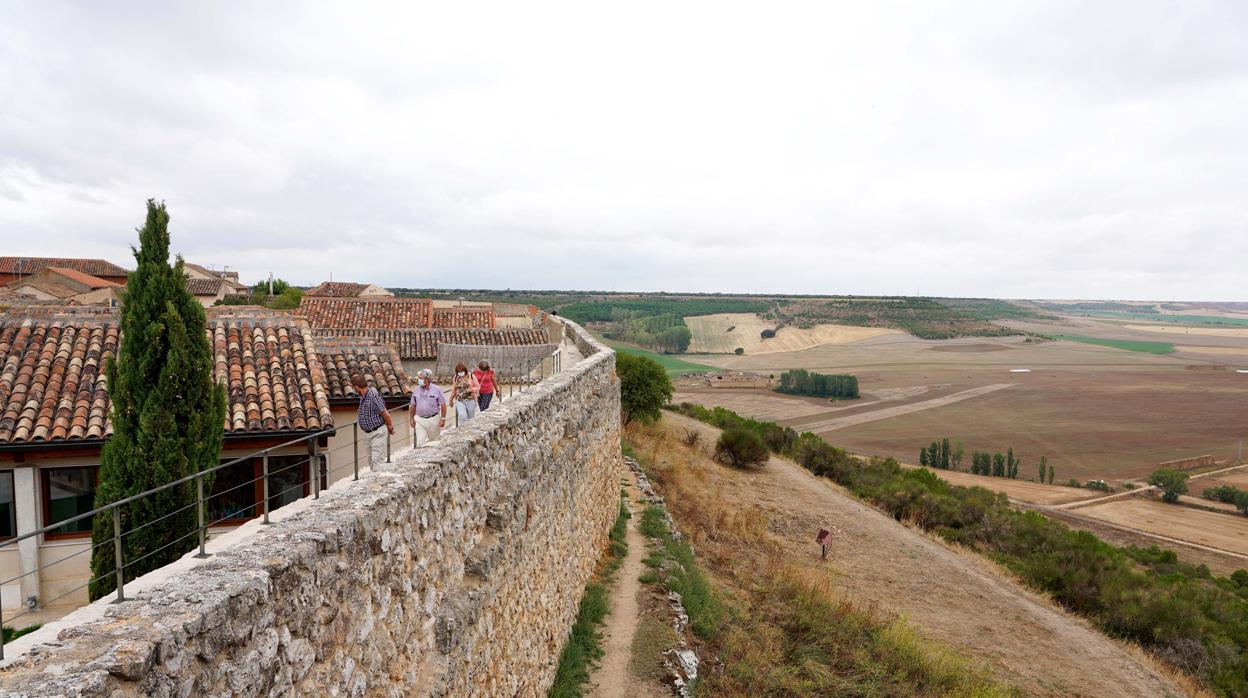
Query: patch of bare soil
[[951, 596], [970, 348], [612, 677]]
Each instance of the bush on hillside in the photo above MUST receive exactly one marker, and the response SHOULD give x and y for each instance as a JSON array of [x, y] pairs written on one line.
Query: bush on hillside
[[802, 382], [1173, 483], [741, 448], [644, 387], [767, 334]]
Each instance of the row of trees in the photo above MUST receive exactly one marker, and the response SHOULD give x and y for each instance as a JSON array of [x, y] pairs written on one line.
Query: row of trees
[[803, 382], [946, 456], [1229, 494], [667, 333], [277, 294]]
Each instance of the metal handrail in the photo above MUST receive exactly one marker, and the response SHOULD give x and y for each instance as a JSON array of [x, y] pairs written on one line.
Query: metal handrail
[[314, 478]]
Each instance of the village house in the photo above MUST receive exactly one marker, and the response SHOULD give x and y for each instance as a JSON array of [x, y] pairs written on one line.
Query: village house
[[14, 268], [209, 286], [467, 334], [347, 289], [54, 420], [69, 286]]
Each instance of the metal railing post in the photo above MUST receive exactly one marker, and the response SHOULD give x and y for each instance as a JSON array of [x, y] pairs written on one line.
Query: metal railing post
[[1, 632], [117, 558], [355, 446], [315, 465], [199, 509], [265, 463]]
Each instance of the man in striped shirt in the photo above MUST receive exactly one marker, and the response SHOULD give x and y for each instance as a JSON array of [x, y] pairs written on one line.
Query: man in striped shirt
[[371, 417]]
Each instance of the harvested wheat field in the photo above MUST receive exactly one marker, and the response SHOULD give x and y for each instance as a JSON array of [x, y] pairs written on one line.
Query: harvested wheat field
[[1222, 531], [723, 333], [953, 597], [1020, 490]]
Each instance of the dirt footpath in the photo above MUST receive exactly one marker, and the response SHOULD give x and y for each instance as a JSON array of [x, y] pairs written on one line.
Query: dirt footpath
[[611, 678], [953, 597]]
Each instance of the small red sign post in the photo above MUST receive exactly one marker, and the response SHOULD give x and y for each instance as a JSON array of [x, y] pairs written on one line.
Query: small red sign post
[[824, 539]]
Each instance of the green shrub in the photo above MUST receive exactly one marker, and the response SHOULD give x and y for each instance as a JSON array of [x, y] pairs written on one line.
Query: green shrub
[[1173, 483], [741, 448], [644, 387], [738, 351], [803, 382]]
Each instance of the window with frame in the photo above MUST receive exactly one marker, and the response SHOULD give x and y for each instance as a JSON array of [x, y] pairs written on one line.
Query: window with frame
[[238, 491], [68, 492], [8, 505]]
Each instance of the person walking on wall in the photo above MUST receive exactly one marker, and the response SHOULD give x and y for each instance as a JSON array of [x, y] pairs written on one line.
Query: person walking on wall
[[487, 384], [464, 390], [428, 409], [371, 417]]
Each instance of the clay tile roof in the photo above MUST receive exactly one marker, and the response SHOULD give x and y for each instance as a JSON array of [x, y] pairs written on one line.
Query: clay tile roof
[[372, 313], [32, 265], [343, 357], [53, 386], [336, 289], [83, 278], [465, 317], [422, 344], [272, 375], [49, 287], [52, 382], [203, 287]]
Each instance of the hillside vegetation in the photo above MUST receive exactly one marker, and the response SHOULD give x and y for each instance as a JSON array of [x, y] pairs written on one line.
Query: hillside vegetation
[[922, 317], [1189, 618], [776, 629]]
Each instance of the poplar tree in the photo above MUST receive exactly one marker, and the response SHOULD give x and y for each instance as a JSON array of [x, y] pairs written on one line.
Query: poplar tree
[[168, 415]]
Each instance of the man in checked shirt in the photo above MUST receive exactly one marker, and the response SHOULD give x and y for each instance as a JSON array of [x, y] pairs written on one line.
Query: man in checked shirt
[[371, 417]]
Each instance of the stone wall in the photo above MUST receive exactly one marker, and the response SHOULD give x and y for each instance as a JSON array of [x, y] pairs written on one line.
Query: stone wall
[[457, 573]]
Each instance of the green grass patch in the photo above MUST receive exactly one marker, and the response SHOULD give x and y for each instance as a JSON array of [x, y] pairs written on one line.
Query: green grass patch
[[584, 646], [1161, 348], [673, 365], [684, 577]]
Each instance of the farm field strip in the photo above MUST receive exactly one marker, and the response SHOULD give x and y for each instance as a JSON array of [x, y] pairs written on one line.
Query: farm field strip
[[1218, 531], [889, 412], [1145, 347], [725, 332], [761, 404], [671, 364], [1179, 329]]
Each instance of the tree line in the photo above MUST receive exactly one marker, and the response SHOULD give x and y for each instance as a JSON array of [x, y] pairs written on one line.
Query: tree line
[[945, 456], [802, 382]]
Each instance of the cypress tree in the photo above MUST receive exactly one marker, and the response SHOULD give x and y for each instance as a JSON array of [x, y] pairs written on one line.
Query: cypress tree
[[168, 414], [923, 457], [944, 453]]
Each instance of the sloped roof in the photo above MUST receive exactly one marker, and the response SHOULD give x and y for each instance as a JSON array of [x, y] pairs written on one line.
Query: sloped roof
[[47, 286], [343, 357], [325, 313], [83, 278], [53, 387], [336, 289], [422, 344], [32, 265], [203, 287], [229, 277], [466, 317]]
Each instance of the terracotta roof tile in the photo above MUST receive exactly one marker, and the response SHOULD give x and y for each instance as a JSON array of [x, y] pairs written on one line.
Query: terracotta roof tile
[[53, 386], [32, 265], [336, 289], [49, 287], [465, 317], [368, 313], [422, 344], [343, 357], [204, 287]]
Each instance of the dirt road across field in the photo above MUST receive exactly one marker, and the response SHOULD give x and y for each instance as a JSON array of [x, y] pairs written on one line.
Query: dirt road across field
[[953, 597], [889, 412]]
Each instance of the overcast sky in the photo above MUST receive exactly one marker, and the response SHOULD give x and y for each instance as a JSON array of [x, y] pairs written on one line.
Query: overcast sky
[[1006, 149]]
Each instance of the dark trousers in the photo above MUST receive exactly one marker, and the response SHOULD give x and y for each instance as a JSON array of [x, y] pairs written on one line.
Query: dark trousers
[[483, 400]]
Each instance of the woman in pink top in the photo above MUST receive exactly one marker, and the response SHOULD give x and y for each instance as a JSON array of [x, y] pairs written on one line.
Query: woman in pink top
[[486, 384]]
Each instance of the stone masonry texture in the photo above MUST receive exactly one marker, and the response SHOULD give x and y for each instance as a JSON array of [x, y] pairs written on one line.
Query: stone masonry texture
[[456, 573]]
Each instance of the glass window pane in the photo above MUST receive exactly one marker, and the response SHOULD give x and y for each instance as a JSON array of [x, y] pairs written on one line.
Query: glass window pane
[[233, 493], [70, 492], [8, 513], [287, 478]]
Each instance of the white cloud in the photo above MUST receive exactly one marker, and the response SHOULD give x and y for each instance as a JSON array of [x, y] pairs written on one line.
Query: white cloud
[[962, 149]]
